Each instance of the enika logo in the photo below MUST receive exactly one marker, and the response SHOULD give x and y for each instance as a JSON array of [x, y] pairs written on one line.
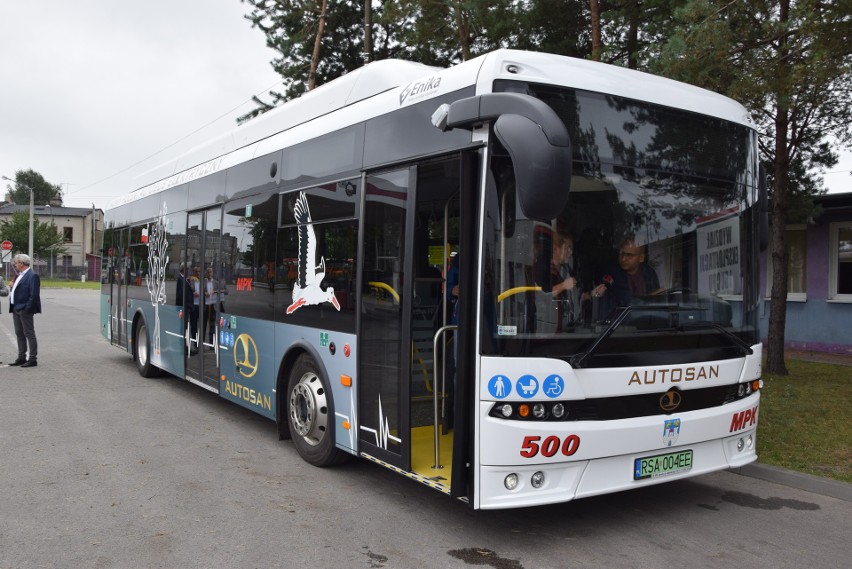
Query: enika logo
[[245, 355], [419, 89]]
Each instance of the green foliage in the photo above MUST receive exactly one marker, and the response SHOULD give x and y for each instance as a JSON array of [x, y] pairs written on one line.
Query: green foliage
[[45, 235], [790, 63], [291, 26], [806, 420], [790, 68], [30, 180]]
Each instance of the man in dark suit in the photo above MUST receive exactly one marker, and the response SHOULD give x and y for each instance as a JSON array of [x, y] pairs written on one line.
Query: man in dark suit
[[24, 303]]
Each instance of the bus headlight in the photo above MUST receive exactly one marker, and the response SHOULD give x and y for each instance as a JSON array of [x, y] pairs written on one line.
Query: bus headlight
[[511, 481], [539, 411], [506, 410], [558, 410]]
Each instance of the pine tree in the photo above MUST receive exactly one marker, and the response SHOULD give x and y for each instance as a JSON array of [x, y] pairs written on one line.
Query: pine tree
[[789, 62]]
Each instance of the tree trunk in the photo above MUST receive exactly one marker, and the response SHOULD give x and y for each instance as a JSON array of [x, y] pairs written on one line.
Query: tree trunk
[[312, 77], [634, 13], [778, 310], [597, 47], [463, 28], [368, 31]]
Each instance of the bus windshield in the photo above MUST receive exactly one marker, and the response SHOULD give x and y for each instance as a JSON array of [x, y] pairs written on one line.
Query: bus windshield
[[650, 260]]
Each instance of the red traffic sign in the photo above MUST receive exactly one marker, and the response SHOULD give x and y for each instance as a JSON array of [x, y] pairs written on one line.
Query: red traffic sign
[[6, 245]]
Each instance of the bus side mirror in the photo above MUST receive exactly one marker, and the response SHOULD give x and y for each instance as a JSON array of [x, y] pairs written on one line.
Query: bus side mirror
[[534, 136], [542, 170]]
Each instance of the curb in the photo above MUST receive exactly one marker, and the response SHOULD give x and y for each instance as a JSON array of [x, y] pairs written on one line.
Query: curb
[[807, 482]]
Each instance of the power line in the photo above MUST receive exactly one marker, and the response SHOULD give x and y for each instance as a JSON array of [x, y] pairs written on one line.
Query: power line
[[220, 117]]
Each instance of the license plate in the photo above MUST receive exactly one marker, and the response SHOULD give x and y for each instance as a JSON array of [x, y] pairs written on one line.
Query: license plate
[[662, 464]]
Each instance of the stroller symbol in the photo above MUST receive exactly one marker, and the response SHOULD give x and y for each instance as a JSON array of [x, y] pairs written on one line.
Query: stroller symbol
[[527, 386]]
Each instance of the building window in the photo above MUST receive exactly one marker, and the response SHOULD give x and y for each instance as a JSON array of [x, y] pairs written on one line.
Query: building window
[[840, 262], [68, 232], [796, 244]]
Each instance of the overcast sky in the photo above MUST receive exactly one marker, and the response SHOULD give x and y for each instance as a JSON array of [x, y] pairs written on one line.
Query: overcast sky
[[90, 90]]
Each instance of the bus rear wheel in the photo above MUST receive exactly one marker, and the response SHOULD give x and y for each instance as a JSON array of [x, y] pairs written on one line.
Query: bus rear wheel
[[310, 412], [142, 351]]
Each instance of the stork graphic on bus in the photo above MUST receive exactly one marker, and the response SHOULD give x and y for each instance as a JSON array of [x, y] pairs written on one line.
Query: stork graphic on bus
[[306, 289]]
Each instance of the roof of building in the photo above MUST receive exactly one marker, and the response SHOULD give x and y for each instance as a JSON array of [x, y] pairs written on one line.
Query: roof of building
[[835, 201], [54, 211]]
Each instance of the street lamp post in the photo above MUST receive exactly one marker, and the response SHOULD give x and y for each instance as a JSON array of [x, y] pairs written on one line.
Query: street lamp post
[[32, 211]]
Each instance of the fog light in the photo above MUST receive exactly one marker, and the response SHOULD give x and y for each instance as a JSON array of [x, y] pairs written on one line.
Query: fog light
[[539, 410], [750, 441], [506, 410], [511, 481], [740, 445], [537, 479], [558, 410]]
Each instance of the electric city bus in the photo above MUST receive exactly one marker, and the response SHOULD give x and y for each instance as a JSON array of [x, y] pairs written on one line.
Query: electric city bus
[[436, 270]]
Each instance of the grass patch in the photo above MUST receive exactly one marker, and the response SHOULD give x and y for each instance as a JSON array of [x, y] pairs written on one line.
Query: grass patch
[[63, 283], [806, 420]]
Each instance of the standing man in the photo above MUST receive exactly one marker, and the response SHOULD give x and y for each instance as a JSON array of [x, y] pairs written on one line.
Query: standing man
[[24, 303]]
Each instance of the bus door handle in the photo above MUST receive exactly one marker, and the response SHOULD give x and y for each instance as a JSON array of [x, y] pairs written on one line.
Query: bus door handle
[[435, 343]]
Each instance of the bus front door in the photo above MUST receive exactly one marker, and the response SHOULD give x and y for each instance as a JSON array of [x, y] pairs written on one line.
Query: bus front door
[[383, 340], [411, 229], [201, 329]]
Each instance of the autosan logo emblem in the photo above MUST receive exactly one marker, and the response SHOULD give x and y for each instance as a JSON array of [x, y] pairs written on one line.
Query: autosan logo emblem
[[670, 400], [245, 355]]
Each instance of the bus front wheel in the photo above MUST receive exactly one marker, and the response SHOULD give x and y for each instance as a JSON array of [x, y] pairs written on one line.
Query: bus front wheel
[[142, 351], [311, 414]]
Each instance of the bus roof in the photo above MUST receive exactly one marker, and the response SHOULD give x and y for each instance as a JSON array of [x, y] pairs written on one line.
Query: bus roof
[[403, 82]]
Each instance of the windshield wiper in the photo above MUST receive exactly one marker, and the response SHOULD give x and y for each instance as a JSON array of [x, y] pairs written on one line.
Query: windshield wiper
[[675, 325]]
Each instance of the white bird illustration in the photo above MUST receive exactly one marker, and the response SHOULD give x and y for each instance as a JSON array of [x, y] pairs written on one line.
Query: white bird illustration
[[306, 289]]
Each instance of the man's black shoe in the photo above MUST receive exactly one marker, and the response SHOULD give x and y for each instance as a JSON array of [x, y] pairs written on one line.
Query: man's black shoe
[[18, 362], [30, 363]]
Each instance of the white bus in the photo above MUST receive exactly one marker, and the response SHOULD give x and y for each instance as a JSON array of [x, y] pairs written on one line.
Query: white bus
[[600, 227]]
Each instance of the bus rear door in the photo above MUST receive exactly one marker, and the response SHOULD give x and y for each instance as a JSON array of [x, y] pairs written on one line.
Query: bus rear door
[[202, 250]]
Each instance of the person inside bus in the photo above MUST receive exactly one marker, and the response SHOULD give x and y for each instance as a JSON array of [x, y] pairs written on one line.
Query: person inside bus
[[629, 278], [183, 296], [195, 283], [211, 295], [561, 279], [564, 279]]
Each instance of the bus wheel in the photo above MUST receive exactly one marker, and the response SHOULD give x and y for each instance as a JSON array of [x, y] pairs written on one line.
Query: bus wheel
[[311, 414], [142, 351]]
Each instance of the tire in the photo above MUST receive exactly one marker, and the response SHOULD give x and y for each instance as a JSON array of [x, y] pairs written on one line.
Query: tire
[[310, 413], [142, 351]]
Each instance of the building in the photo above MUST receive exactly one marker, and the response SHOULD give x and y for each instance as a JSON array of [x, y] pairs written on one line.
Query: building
[[81, 229], [819, 280]]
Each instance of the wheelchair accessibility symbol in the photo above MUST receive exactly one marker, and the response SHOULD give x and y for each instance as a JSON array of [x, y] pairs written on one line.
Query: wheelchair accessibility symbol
[[527, 386], [553, 386]]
